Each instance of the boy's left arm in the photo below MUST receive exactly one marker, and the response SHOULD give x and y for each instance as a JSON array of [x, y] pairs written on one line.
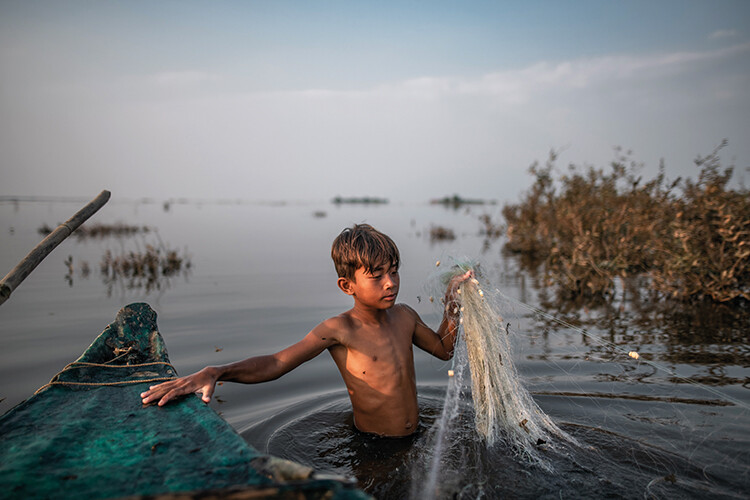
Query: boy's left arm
[[441, 343]]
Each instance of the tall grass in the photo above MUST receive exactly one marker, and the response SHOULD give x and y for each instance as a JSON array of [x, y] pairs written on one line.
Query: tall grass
[[590, 229]]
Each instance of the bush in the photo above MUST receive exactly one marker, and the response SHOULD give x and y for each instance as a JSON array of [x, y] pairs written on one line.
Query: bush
[[591, 227]]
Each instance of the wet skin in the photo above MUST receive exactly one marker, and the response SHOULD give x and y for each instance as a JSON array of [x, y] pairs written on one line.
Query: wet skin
[[371, 345]]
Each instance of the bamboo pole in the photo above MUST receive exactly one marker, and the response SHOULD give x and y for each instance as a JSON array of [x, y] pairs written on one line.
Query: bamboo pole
[[19, 273]]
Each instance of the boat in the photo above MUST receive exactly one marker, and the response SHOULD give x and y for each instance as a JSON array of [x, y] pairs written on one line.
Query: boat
[[86, 434]]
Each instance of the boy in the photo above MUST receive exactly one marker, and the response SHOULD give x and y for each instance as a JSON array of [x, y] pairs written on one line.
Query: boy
[[371, 343]]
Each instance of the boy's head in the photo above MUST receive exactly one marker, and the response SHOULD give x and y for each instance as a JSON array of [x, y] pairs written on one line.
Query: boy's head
[[363, 246]]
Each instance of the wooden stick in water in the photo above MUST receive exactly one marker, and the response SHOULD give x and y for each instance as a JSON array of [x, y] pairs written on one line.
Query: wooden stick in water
[[19, 273]]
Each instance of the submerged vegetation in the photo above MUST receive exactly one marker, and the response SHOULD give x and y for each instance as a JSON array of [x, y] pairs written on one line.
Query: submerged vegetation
[[440, 233], [87, 231], [590, 230], [147, 269], [366, 200], [456, 201]]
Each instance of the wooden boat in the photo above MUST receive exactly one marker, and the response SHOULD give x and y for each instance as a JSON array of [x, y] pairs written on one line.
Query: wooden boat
[[86, 434]]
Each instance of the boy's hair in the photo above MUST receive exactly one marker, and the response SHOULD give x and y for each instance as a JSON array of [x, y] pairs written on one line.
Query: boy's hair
[[363, 246]]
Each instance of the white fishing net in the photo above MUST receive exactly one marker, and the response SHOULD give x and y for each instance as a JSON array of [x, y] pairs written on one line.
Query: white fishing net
[[624, 422], [503, 408]]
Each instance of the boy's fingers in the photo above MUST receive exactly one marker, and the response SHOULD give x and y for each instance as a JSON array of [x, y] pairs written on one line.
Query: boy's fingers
[[148, 396], [209, 391], [167, 397], [167, 391]]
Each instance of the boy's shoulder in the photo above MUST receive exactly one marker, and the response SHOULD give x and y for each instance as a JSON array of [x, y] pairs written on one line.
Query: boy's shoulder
[[404, 312], [405, 308], [334, 327]]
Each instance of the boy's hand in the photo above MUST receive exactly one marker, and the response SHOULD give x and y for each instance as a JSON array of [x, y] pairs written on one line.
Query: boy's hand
[[203, 381], [451, 293]]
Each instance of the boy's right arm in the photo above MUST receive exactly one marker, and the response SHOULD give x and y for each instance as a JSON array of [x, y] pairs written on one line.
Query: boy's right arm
[[248, 371]]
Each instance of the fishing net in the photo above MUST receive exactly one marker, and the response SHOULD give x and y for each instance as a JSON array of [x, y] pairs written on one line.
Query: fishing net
[[594, 414], [503, 408]]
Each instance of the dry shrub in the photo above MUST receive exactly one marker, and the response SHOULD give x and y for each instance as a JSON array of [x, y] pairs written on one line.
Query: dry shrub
[[590, 227], [707, 246]]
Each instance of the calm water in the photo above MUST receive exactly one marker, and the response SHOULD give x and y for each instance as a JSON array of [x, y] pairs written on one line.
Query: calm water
[[674, 423]]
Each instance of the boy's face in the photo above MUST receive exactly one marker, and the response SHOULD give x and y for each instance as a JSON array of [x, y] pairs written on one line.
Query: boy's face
[[378, 289]]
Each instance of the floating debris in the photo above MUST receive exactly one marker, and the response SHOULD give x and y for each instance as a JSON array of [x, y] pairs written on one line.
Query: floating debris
[[634, 355], [523, 423]]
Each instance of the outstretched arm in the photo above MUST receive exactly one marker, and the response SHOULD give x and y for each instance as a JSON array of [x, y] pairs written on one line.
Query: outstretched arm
[[440, 344], [248, 371]]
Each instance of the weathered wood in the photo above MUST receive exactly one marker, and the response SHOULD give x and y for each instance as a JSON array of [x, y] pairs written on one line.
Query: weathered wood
[[19, 273]]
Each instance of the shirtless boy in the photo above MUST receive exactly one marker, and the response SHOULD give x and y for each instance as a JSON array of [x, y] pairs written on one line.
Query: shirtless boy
[[371, 343]]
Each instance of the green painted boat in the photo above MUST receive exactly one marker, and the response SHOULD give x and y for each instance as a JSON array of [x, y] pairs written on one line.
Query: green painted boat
[[86, 434]]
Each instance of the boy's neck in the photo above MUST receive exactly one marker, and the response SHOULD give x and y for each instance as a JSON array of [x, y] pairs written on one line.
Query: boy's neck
[[369, 314]]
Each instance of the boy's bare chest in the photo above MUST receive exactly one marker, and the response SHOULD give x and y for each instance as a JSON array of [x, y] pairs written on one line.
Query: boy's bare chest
[[372, 348]]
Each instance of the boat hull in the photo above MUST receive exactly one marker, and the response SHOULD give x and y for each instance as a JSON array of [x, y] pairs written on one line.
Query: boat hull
[[88, 435]]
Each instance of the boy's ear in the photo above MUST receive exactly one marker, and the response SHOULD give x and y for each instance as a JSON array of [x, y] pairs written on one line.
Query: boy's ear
[[345, 285]]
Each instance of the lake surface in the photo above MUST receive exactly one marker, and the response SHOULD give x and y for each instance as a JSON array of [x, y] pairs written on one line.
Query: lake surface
[[674, 422]]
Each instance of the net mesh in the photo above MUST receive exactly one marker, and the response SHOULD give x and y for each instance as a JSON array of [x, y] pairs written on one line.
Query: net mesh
[[503, 408], [624, 423]]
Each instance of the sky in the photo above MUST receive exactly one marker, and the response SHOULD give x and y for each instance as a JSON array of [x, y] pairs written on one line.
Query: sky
[[407, 100]]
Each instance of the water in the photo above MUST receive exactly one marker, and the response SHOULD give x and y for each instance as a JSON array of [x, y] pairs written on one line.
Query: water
[[261, 278]]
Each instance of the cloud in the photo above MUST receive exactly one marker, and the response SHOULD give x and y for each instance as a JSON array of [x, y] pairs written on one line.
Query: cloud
[[520, 86], [517, 86], [719, 34]]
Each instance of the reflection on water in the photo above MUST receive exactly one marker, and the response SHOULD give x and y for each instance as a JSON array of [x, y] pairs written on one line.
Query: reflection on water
[[320, 432], [674, 423], [698, 340]]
